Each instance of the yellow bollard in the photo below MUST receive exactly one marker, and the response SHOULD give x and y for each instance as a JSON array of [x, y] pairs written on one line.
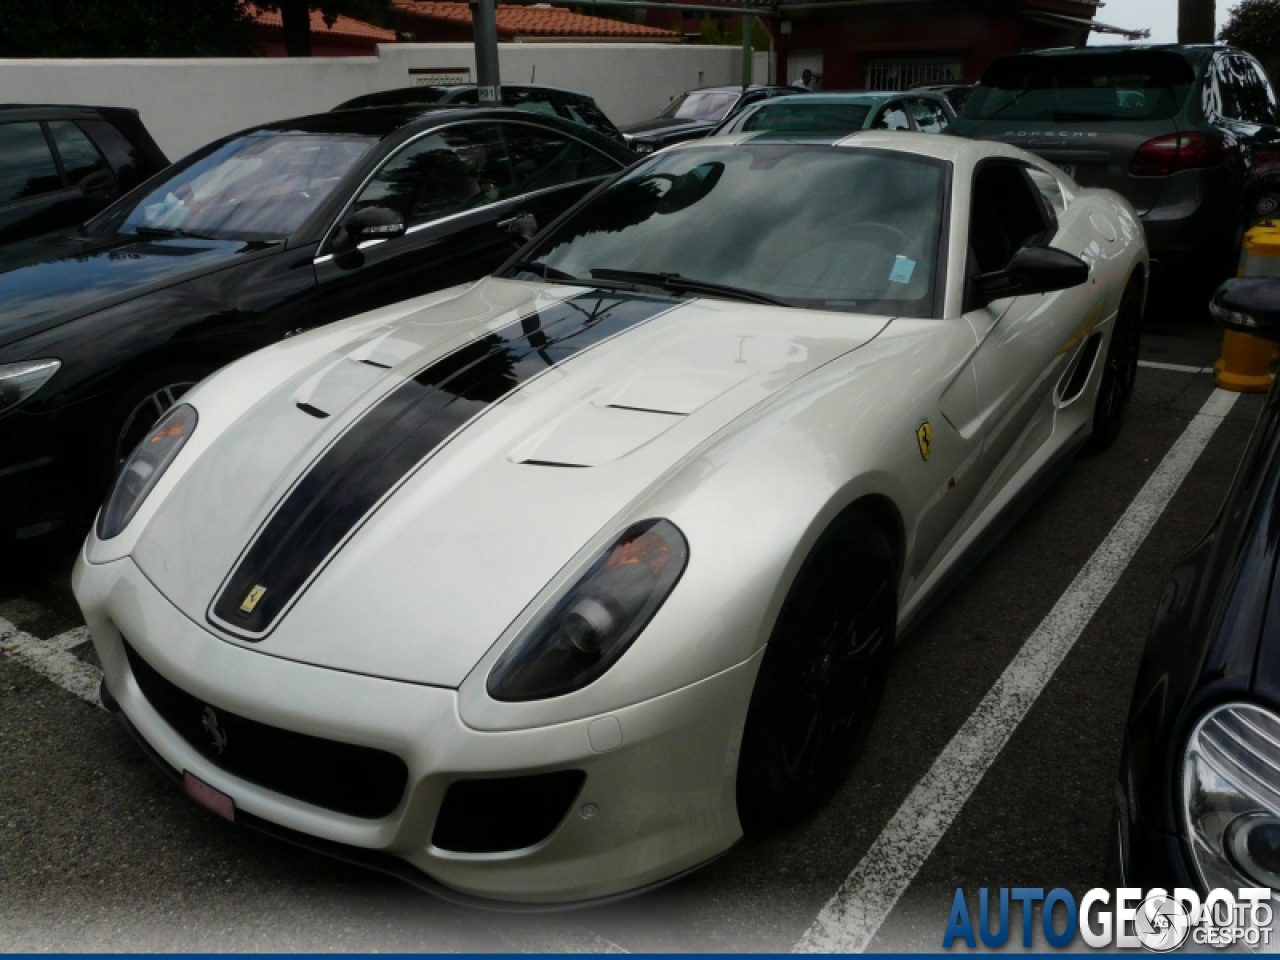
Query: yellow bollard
[[1245, 366]]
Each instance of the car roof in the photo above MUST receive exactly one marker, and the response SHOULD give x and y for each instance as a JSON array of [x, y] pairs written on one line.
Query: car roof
[[54, 109], [384, 122], [1191, 51], [951, 149], [737, 87], [447, 88]]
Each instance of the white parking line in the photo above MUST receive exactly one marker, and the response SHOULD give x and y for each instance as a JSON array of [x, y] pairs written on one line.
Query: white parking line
[[52, 659], [850, 920], [1175, 367]]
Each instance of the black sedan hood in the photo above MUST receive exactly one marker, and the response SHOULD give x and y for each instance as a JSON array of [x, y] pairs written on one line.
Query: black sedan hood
[[49, 281], [664, 125]]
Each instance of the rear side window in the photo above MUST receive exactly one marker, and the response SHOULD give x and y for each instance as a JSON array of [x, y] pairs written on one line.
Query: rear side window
[[894, 117], [542, 158], [1105, 87], [1238, 90], [79, 156], [26, 164]]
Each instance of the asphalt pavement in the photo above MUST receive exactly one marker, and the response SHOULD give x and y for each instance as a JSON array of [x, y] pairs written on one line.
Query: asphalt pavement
[[100, 851]]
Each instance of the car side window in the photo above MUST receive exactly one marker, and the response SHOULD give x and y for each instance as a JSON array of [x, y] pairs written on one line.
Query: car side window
[[1255, 99], [892, 117], [27, 168], [929, 115], [447, 172], [542, 158], [80, 157], [1006, 213]]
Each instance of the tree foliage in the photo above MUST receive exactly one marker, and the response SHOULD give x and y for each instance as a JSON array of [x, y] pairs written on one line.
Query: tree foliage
[[124, 28], [713, 35], [1254, 25]]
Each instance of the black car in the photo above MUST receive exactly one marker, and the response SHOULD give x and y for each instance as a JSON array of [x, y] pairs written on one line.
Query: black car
[[696, 113], [566, 104], [61, 165], [1199, 785], [1186, 133], [255, 238]]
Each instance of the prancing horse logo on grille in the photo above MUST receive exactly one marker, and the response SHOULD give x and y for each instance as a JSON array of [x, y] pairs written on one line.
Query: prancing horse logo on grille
[[212, 727]]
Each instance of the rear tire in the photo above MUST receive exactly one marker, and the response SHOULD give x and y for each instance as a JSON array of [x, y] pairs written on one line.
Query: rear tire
[[1111, 408], [822, 677]]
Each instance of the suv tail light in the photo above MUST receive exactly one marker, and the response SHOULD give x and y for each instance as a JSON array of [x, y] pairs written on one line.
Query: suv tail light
[[1177, 151]]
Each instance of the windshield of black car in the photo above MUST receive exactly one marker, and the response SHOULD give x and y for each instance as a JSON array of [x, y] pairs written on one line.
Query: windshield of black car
[[262, 186], [1108, 87], [830, 228], [784, 116], [708, 105]]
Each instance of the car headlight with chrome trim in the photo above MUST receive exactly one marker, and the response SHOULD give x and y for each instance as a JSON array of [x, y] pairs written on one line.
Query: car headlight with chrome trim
[[20, 380], [144, 468], [592, 624], [1231, 797]]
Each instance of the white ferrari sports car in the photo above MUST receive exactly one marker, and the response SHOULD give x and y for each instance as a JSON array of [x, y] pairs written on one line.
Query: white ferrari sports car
[[539, 589]]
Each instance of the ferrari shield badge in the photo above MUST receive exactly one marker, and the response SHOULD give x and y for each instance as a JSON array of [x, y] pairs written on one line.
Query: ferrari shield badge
[[253, 596], [924, 436]]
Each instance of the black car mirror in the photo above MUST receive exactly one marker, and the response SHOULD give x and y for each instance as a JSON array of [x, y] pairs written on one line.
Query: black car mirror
[[98, 186], [371, 223], [1249, 305], [1033, 270]]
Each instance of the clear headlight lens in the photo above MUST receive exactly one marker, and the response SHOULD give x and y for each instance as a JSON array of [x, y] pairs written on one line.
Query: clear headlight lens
[[1231, 797], [144, 468], [20, 380], [585, 632]]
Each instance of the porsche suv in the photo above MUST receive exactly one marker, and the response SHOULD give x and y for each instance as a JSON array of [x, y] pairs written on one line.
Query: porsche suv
[[1187, 134]]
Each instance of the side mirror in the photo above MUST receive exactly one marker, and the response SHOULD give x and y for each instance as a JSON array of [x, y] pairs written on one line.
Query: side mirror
[[98, 186], [522, 225], [371, 223], [1249, 305], [1033, 270]]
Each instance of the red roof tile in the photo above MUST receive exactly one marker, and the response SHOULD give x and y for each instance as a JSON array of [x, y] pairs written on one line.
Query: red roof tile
[[517, 20], [342, 26]]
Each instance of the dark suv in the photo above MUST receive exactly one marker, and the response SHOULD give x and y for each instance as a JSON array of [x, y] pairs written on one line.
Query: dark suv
[[1186, 133], [60, 165]]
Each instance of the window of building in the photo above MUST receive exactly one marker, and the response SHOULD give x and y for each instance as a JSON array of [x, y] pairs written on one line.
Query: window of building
[[905, 73]]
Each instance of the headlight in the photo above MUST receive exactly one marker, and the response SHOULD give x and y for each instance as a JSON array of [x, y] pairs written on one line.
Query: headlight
[[144, 468], [1231, 797], [585, 632], [20, 380]]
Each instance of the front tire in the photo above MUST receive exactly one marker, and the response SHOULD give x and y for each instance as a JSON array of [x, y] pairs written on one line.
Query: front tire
[[822, 677], [1111, 408]]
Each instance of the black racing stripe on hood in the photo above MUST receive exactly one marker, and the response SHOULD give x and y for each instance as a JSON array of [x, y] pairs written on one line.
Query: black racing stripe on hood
[[383, 447]]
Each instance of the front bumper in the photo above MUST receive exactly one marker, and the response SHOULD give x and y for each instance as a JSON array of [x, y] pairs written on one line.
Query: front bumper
[[660, 802]]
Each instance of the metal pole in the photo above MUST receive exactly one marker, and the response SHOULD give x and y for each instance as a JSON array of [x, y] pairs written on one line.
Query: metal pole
[[747, 49], [484, 29]]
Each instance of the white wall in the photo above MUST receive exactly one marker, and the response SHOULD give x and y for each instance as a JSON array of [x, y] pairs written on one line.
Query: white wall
[[187, 103]]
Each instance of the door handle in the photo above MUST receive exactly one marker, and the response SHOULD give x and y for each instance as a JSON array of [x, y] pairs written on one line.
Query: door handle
[[522, 225]]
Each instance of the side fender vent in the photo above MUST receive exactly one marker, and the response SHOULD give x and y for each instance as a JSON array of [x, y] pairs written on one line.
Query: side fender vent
[[313, 411], [1077, 375]]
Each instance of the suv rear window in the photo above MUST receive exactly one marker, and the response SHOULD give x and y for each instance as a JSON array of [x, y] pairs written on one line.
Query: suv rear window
[[1138, 85]]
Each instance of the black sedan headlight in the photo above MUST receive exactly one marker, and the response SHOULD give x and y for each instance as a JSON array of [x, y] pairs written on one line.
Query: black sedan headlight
[[585, 632], [20, 380], [1231, 797], [144, 468]]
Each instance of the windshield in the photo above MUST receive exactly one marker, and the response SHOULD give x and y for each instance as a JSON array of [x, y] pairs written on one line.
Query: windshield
[[259, 187], [707, 105], [784, 116], [1128, 86], [830, 228]]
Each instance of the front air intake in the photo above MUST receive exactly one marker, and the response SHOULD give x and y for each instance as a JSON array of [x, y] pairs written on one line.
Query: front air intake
[[505, 813]]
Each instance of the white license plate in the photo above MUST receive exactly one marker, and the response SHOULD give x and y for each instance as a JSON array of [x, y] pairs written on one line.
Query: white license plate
[[208, 797]]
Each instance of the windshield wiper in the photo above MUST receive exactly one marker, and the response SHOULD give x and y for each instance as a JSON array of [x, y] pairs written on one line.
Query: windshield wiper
[[167, 233], [548, 272], [676, 283]]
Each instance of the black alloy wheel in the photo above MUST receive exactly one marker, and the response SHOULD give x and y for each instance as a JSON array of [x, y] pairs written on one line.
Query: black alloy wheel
[[1120, 371], [822, 677]]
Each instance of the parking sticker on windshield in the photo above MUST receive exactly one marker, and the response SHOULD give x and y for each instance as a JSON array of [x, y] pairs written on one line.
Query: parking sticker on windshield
[[903, 268]]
